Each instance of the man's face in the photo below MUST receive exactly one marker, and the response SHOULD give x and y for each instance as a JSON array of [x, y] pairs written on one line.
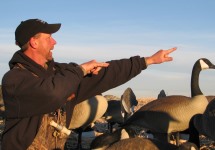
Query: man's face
[[45, 45]]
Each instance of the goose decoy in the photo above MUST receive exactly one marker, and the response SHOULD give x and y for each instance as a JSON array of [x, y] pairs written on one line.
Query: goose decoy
[[172, 113], [203, 124], [120, 109], [103, 141], [128, 102], [126, 139], [87, 112], [210, 97], [113, 114], [139, 143], [161, 94], [175, 136]]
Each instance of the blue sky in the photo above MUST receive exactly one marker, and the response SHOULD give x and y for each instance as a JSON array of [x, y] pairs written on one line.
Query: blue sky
[[113, 29]]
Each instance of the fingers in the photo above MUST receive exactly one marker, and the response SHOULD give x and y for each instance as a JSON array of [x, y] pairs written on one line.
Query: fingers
[[168, 59], [160, 56], [96, 70], [98, 66], [170, 50], [167, 52], [103, 64], [93, 67]]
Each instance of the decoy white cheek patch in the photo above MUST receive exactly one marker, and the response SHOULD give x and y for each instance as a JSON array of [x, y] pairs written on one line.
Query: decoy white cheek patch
[[125, 106], [203, 65], [124, 134], [193, 148]]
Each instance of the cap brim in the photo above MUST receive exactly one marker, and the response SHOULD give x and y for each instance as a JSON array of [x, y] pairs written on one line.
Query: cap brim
[[51, 28]]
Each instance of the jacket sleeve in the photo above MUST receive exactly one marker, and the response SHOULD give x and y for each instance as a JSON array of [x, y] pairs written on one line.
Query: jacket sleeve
[[117, 73], [26, 95]]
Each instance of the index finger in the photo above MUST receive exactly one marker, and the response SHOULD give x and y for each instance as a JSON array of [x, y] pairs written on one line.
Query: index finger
[[171, 50], [104, 64]]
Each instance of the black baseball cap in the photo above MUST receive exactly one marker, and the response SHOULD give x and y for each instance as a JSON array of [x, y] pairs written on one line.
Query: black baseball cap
[[31, 27]]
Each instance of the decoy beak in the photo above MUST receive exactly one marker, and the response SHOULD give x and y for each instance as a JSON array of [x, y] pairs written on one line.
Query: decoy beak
[[212, 66]]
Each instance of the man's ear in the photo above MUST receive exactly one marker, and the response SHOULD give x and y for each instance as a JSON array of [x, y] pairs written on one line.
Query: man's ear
[[33, 42]]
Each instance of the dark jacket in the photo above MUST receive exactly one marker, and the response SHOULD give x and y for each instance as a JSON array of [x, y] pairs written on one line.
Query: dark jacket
[[32, 91]]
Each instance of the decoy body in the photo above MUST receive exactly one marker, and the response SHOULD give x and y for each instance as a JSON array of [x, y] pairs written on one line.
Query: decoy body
[[210, 97], [203, 124], [172, 113], [139, 143], [105, 140], [87, 112], [118, 109], [124, 139]]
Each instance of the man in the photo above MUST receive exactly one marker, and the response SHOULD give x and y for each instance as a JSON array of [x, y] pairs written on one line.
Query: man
[[35, 85]]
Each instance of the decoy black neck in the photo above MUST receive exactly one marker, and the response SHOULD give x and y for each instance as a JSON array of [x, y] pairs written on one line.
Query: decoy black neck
[[195, 90]]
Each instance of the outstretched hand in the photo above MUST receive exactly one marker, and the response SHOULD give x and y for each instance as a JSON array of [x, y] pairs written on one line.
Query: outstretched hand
[[93, 67], [160, 57]]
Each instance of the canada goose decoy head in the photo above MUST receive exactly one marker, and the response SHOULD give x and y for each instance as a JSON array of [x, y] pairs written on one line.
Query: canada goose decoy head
[[200, 64], [206, 64], [128, 102], [161, 94]]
